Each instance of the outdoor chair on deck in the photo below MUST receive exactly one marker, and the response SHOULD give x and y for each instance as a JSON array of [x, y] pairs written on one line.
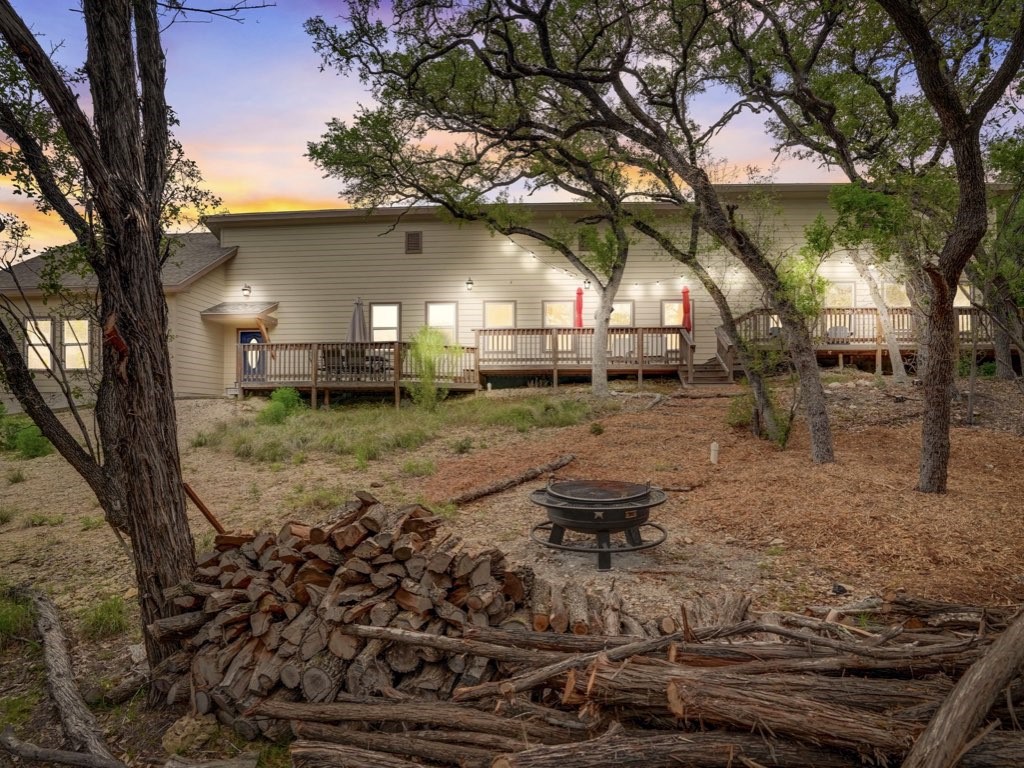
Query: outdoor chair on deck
[[838, 334]]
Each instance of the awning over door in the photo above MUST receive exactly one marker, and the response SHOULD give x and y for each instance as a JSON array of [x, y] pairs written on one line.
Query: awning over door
[[242, 313]]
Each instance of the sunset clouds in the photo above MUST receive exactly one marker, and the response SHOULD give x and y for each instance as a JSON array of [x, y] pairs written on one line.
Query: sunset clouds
[[250, 95]]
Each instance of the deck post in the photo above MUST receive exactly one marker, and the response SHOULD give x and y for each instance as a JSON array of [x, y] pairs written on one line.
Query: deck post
[[878, 344], [314, 366], [238, 369], [476, 358], [554, 358], [640, 358], [398, 374]]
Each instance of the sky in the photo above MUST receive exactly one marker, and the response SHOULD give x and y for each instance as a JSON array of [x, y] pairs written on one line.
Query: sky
[[250, 95]]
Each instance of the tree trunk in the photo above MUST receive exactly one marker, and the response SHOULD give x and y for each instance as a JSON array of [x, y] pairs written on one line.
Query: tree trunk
[[599, 355], [798, 340], [938, 382], [919, 291], [899, 372]]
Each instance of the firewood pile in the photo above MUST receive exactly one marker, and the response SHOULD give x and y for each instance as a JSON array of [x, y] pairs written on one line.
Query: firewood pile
[[379, 643]]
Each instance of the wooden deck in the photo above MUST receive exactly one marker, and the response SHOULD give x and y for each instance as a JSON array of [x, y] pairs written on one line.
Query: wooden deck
[[324, 368]]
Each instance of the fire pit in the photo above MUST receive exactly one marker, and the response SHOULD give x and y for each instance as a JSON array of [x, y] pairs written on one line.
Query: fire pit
[[600, 507]]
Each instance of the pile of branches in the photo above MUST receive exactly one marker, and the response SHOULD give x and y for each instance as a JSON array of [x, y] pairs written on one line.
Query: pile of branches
[[314, 611], [377, 643]]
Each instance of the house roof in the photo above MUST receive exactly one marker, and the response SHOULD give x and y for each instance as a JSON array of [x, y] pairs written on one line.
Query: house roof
[[219, 222], [196, 254]]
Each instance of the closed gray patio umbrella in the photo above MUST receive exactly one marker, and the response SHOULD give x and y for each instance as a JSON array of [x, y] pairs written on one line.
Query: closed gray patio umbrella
[[357, 330]]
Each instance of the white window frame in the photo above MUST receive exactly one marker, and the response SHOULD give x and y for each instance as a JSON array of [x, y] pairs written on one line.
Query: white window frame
[[618, 306], [39, 343], [451, 331], [72, 341], [836, 286], [386, 330], [500, 343]]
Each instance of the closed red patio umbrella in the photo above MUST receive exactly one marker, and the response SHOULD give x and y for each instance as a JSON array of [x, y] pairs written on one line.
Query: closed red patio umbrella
[[577, 319], [687, 320]]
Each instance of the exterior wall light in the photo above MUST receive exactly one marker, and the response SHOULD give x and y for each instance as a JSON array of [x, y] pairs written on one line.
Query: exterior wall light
[[586, 283], [246, 291], [469, 284]]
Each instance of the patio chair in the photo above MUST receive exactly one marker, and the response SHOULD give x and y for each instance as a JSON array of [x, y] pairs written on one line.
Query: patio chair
[[838, 334]]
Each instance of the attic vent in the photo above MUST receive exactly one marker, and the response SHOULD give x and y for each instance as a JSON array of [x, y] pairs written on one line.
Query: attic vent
[[414, 242]]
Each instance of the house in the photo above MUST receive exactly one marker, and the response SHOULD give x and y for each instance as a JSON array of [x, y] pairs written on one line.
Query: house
[[267, 300]]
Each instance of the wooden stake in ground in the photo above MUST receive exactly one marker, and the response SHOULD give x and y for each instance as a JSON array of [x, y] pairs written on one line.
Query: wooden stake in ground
[[946, 738]]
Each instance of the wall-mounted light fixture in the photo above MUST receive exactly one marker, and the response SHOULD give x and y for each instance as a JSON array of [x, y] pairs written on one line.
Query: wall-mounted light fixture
[[246, 291], [586, 283], [469, 283]]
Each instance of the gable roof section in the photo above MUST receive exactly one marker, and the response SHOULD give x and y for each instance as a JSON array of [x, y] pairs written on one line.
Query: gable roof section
[[196, 255]]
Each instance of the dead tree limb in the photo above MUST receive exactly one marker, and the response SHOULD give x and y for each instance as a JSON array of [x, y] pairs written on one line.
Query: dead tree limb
[[26, 751], [944, 740], [510, 482], [80, 727]]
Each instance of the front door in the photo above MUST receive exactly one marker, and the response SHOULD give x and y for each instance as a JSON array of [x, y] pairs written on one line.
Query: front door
[[253, 356]]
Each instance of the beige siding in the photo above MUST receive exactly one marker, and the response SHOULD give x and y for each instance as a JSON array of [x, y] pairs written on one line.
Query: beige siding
[[197, 346], [46, 380], [316, 271]]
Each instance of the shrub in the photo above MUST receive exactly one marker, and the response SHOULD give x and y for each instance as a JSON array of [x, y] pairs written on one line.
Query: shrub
[[30, 443], [92, 523], [463, 445], [289, 397], [106, 618], [597, 428], [40, 521], [6, 515], [428, 348], [16, 476], [741, 411], [275, 413]]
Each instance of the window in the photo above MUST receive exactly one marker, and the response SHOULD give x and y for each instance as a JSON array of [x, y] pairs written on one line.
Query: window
[[442, 315], [622, 314], [384, 322], [76, 344], [841, 296], [499, 314], [414, 242], [895, 295], [38, 339], [558, 314], [672, 312]]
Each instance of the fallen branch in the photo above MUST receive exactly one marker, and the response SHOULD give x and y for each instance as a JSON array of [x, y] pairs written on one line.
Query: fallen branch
[[511, 482], [945, 739], [79, 725], [23, 749]]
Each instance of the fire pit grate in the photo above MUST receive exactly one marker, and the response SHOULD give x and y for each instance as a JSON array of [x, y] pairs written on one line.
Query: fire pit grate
[[602, 508]]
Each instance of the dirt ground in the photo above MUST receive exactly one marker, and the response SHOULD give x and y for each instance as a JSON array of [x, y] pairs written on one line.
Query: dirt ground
[[764, 521]]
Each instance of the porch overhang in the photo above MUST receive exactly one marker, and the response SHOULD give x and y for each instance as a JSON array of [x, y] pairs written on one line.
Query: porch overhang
[[239, 313]]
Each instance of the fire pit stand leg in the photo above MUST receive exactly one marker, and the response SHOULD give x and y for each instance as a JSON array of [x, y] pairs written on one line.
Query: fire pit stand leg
[[604, 551], [633, 536], [557, 534]]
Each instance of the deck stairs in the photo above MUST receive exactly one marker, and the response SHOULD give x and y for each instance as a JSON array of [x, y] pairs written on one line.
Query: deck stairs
[[708, 372]]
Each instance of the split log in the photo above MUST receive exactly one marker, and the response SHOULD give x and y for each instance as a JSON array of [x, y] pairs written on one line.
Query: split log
[[540, 604], [559, 618], [575, 597], [503, 485]]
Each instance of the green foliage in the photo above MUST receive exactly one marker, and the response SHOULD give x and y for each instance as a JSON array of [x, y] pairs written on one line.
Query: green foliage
[[315, 501], [16, 617], [463, 445], [107, 618], [92, 523], [418, 467], [532, 413], [597, 428], [16, 710], [44, 521], [6, 514], [741, 411], [16, 476], [986, 370], [427, 352], [274, 413], [801, 283], [30, 443], [289, 397]]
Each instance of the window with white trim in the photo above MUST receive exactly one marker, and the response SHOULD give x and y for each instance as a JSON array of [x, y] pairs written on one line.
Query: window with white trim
[[38, 344], [500, 314], [443, 316], [841, 295], [622, 314], [385, 322], [75, 341], [558, 314]]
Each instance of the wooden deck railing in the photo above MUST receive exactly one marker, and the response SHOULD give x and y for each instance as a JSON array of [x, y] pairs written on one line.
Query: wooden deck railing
[[860, 326], [567, 348]]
